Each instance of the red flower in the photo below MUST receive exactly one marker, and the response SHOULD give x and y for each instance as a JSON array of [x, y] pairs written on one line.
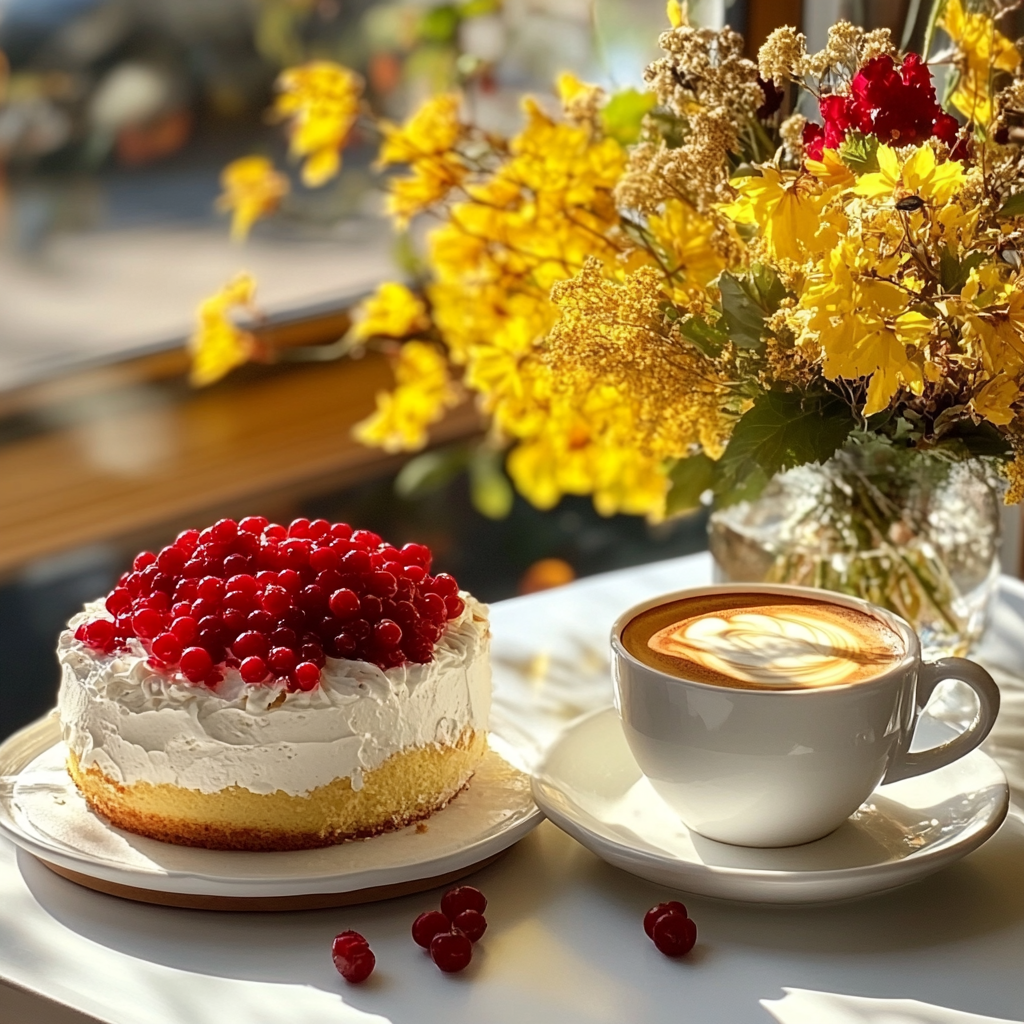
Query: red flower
[[895, 104]]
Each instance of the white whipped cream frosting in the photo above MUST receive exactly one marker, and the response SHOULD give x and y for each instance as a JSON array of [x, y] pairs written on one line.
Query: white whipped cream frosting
[[139, 725]]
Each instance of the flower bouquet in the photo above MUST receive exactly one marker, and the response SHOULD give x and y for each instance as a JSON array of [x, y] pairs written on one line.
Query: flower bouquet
[[746, 271]]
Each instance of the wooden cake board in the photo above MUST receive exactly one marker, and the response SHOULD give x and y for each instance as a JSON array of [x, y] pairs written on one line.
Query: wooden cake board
[[303, 901]]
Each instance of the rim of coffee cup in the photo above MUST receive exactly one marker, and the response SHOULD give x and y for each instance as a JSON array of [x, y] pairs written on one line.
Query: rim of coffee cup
[[895, 622]]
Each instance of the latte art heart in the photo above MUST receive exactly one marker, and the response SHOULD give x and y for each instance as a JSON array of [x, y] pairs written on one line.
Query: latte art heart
[[787, 648]]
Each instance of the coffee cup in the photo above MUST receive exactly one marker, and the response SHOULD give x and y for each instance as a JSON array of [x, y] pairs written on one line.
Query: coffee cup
[[780, 743]]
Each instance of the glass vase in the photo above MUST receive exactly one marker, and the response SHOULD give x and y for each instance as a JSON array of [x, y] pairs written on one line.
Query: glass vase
[[910, 531]]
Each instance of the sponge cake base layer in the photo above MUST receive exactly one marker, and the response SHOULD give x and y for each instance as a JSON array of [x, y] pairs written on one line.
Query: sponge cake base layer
[[407, 787]]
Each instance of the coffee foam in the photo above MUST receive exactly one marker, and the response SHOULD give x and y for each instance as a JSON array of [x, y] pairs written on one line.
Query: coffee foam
[[763, 641]]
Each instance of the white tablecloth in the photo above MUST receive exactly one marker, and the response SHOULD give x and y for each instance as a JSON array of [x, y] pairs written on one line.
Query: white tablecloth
[[565, 943]]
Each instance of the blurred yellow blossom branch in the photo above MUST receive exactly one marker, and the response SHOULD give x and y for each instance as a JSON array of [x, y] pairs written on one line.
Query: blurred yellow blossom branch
[[218, 344], [252, 189]]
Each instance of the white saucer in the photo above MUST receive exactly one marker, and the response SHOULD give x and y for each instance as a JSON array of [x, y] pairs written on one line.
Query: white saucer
[[590, 786], [42, 812]]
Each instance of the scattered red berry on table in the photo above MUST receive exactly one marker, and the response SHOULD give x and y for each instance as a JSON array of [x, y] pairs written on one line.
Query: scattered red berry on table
[[451, 951], [427, 925], [670, 928], [472, 924], [463, 897], [352, 957], [276, 602], [654, 913]]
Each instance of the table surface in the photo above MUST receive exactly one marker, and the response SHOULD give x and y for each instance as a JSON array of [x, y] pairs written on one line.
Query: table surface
[[564, 942]]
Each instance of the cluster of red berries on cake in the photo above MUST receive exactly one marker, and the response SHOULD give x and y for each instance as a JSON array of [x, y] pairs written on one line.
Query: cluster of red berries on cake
[[275, 602]]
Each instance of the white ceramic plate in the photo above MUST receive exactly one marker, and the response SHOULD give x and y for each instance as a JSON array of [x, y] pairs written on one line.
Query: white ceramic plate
[[43, 813], [590, 786]]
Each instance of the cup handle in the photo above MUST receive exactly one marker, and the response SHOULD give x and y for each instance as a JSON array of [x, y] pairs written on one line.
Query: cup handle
[[931, 674]]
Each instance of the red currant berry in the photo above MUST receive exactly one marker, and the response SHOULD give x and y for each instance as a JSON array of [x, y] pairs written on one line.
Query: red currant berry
[[312, 598], [454, 606], [451, 951], [171, 560], [472, 924], [445, 585], [185, 628], [387, 633], [276, 600], [673, 934], [344, 645], [290, 580], [432, 605], [196, 664], [147, 622], [275, 532], [167, 647], [383, 584], [143, 560], [427, 925], [307, 675], [253, 524], [187, 541], [100, 633], [253, 670], [652, 915], [313, 653], [251, 645], [236, 564], [224, 530], [318, 528], [282, 660], [462, 897], [352, 957], [341, 531], [298, 528], [416, 554], [344, 603], [118, 601], [356, 562], [323, 559], [82, 633]]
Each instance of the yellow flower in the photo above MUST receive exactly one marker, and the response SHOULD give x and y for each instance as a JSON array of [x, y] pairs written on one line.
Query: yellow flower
[[863, 328], [392, 311], [685, 235], [321, 102], [983, 49], [921, 175], [431, 131], [218, 345], [830, 169], [994, 400], [677, 13], [426, 142], [424, 391], [785, 207], [252, 189]]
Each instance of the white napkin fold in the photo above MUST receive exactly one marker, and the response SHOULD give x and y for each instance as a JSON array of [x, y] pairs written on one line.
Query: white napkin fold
[[801, 1006]]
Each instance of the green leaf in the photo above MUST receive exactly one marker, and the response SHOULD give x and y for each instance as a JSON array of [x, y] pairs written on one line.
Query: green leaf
[[690, 478], [623, 115], [981, 440], [1013, 207], [439, 24], [489, 487], [953, 273], [709, 338], [860, 153], [424, 474], [747, 300], [782, 429]]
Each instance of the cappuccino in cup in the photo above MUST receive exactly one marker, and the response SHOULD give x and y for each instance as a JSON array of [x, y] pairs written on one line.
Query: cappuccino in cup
[[765, 715], [758, 641]]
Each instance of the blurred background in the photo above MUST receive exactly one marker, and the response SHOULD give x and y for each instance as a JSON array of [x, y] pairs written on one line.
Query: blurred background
[[116, 118]]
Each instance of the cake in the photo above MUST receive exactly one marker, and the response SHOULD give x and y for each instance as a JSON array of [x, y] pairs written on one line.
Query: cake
[[256, 687]]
